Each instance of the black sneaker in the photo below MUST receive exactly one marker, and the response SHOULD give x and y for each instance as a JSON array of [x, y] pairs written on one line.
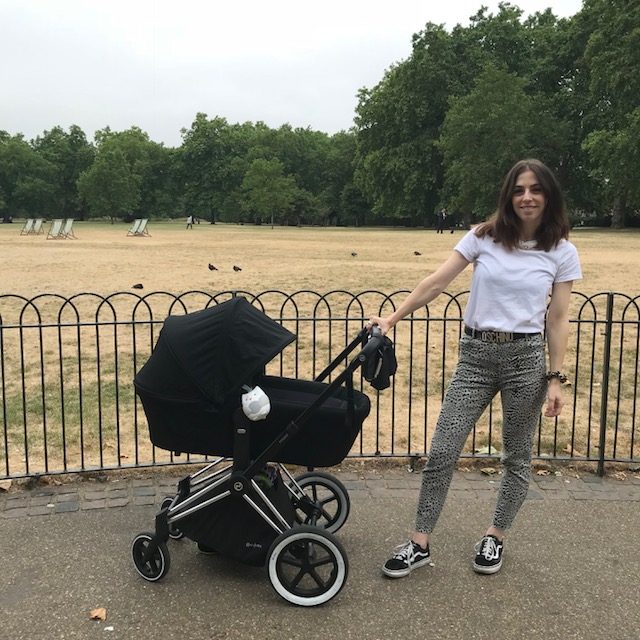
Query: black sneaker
[[405, 559], [488, 555]]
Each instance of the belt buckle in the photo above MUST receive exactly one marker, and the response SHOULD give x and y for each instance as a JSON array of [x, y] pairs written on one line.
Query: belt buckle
[[496, 336]]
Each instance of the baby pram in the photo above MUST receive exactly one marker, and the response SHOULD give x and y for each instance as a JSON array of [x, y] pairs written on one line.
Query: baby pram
[[246, 504]]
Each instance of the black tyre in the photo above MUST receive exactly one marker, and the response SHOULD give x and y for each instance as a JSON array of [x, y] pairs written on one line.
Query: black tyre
[[307, 566], [154, 565], [174, 531], [329, 495]]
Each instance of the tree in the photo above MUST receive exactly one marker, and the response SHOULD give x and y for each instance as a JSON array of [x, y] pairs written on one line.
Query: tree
[[560, 75], [307, 156], [399, 123], [353, 206], [109, 186], [268, 193], [484, 133], [161, 192], [613, 55], [616, 156], [341, 200], [209, 167], [145, 183], [398, 164], [26, 179], [70, 154]]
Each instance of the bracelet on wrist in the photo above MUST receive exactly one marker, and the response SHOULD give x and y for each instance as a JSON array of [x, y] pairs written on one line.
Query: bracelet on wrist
[[556, 375]]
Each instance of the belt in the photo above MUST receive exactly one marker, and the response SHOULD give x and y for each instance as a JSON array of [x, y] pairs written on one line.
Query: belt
[[497, 336]]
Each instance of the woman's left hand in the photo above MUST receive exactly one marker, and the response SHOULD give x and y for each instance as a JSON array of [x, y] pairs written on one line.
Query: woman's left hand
[[554, 400]]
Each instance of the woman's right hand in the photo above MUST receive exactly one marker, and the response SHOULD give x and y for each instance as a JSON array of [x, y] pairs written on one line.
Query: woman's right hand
[[382, 323]]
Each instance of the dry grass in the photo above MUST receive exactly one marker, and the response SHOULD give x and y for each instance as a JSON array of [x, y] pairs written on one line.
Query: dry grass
[[104, 260]]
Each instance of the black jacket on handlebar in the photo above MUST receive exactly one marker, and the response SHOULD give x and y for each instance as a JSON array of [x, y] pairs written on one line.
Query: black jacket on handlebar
[[379, 368]]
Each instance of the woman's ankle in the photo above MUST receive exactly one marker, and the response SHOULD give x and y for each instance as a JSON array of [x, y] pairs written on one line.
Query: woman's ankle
[[496, 533], [420, 538]]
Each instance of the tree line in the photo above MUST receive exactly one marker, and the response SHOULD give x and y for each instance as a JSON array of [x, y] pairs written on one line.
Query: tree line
[[439, 129]]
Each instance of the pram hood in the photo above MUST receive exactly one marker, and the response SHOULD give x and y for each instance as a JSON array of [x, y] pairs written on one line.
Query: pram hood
[[211, 353]]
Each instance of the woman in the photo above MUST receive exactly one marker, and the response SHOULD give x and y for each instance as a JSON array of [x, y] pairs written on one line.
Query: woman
[[519, 255]]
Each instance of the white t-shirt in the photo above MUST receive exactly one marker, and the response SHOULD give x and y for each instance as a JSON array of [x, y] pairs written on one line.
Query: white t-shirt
[[510, 288]]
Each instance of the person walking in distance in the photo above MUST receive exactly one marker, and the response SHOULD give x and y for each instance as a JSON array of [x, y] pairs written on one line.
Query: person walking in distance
[[442, 216], [523, 268]]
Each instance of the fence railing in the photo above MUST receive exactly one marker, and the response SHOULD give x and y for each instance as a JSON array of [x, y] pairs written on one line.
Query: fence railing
[[67, 402]]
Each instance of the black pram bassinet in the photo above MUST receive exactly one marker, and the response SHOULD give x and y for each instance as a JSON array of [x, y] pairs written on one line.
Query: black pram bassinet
[[246, 504], [192, 384]]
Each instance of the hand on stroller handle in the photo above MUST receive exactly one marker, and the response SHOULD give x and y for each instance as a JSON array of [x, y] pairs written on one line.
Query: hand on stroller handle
[[370, 331]]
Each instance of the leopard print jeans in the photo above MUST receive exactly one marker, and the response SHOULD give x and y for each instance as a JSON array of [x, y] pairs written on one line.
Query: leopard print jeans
[[515, 369]]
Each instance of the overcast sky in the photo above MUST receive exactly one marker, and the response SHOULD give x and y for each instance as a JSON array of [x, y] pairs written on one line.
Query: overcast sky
[[155, 64]]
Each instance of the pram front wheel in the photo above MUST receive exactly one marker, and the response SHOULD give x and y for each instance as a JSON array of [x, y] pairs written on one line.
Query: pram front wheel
[[307, 566], [150, 557], [174, 531], [330, 497]]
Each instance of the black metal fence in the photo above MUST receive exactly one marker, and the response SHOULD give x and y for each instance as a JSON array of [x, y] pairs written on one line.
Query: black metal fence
[[67, 402]]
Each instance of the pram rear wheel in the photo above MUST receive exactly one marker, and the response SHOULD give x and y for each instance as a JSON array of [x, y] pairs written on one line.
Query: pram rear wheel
[[307, 566], [329, 495], [150, 557], [174, 531]]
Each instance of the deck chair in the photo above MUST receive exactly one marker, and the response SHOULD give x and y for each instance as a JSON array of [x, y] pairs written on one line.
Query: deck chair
[[142, 229], [133, 231], [55, 230], [37, 226], [67, 229], [28, 226]]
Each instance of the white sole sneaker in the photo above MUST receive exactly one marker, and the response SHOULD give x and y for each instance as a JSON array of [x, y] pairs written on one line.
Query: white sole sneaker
[[401, 573], [479, 568]]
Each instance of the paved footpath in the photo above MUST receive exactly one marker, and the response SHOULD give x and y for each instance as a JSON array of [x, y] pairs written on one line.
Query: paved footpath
[[572, 565]]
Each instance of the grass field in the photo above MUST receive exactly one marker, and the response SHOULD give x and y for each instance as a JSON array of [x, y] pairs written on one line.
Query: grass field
[[103, 259], [94, 390]]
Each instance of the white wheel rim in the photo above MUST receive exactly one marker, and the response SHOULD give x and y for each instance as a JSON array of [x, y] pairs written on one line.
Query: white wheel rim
[[135, 564], [301, 600]]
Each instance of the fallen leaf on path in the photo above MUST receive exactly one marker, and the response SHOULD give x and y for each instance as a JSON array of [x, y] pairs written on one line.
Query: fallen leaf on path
[[98, 614], [5, 485], [543, 472]]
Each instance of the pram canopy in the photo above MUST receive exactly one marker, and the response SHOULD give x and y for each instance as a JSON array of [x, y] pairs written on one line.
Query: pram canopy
[[210, 354]]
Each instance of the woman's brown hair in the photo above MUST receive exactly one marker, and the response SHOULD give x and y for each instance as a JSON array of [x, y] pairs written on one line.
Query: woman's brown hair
[[504, 225]]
